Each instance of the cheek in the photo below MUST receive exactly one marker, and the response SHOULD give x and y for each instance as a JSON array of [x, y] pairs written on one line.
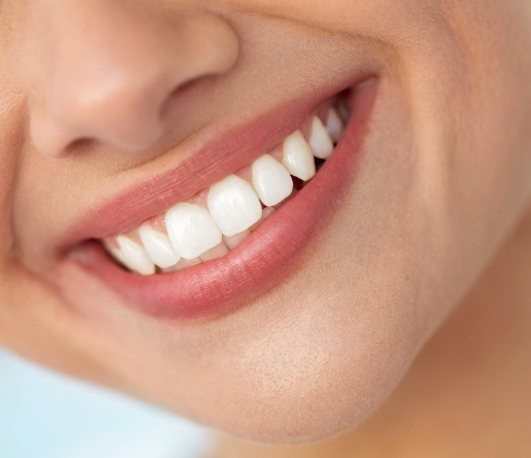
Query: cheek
[[323, 350], [421, 224], [485, 180]]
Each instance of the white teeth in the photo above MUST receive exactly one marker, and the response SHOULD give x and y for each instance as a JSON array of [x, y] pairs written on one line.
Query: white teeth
[[320, 142], [196, 234], [234, 205], [158, 246], [192, 230], [134, 256], [334, 125], [298, 157], [271, 181]]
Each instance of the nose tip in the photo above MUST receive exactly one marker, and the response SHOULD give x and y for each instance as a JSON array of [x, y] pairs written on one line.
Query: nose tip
[[114, 84], [123, 114]]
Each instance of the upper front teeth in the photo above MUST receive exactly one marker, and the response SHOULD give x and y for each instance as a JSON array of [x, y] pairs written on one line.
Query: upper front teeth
[[234, 205], [271, 181], [217, 223], [192, 230]]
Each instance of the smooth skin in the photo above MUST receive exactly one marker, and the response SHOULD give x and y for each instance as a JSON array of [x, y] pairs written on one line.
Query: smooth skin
[[96, 94]]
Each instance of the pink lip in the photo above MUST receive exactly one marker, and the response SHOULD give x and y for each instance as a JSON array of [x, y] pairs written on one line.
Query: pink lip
[[267, 256], [212, 161]]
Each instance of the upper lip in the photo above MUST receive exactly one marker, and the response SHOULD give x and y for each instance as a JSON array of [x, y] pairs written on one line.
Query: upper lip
[[207, 163]]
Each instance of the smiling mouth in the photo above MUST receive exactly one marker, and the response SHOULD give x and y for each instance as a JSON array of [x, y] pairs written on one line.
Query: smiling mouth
[[217, 220], [246, 230]]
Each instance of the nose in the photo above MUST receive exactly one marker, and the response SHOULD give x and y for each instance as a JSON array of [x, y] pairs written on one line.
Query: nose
[[106, 71]]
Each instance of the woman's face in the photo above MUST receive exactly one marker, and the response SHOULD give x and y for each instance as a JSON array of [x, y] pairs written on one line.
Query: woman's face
[[112, 113]]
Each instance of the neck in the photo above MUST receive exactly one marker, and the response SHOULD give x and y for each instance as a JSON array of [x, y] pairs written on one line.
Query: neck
[[467, 394]]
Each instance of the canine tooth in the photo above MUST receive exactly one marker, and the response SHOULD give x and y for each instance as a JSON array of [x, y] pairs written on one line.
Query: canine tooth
[[320, 142], [217, 252], [298, 157], [334, 125], [134, 256], [191, 230], [234, 205], [158, 246], [271, 181], [234, 240]]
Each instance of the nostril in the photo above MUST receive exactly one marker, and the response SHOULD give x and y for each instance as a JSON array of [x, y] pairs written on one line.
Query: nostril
[[75, 146], [179, 91]]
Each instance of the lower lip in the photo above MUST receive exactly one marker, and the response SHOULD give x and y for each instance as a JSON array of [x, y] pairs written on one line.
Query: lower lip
[[264, 259]]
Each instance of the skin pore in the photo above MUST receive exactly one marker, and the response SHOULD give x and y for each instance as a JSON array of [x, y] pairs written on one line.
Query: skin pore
[[432, 230]]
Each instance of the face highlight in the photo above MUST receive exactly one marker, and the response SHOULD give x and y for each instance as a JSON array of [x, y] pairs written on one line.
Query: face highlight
[[254, 213]]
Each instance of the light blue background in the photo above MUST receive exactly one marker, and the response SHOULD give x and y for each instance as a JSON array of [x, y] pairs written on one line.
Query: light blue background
[[44, 415]]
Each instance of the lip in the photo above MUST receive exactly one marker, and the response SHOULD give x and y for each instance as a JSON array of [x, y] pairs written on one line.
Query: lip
[[268, 255], [208, 163]]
